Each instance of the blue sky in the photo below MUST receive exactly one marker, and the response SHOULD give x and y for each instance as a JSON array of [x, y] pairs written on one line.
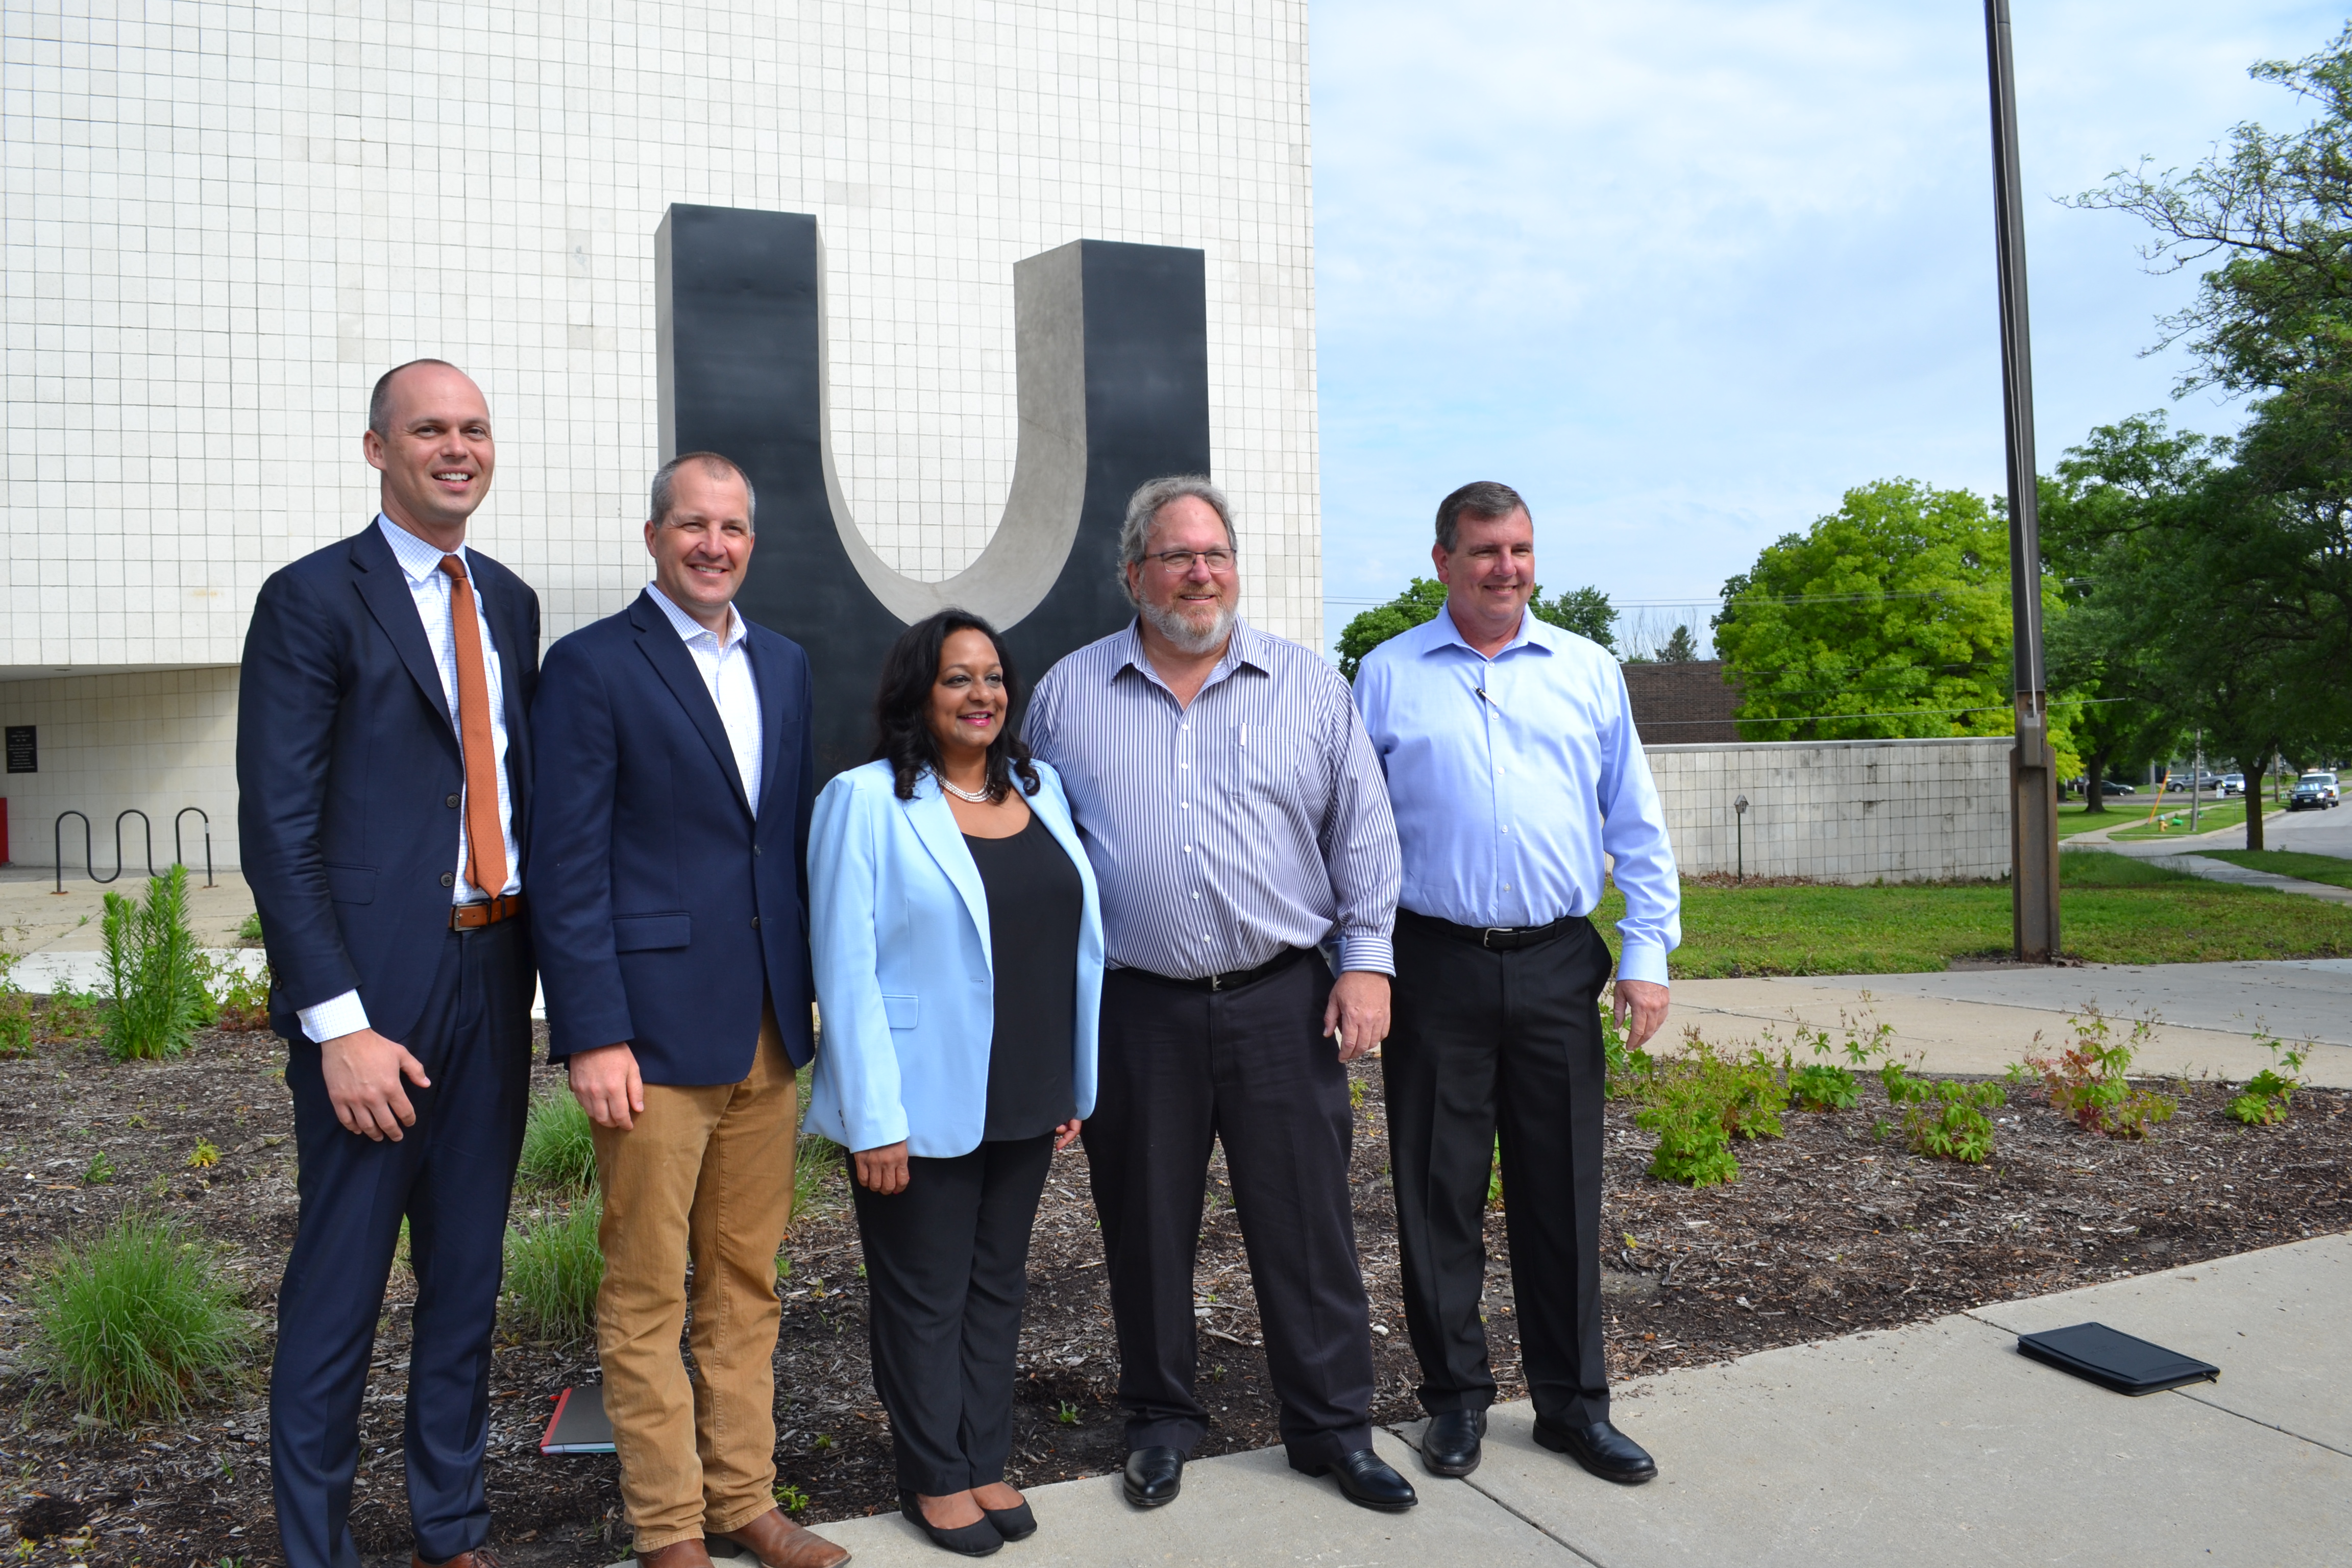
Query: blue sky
[[1685, 271]]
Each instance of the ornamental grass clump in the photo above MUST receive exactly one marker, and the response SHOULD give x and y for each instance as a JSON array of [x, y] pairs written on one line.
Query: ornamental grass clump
[[559, 1146], [138, 1323], [555, 1268], [157, 977]]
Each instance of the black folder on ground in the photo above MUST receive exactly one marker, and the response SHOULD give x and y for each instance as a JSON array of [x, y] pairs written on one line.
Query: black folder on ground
[[2115, 1360], [579, 1424]]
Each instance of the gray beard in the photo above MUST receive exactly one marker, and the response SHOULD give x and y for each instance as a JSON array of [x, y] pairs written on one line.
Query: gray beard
[[1171, 623]]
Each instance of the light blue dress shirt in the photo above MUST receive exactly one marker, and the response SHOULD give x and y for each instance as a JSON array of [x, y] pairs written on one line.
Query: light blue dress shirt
[[1512, 777]]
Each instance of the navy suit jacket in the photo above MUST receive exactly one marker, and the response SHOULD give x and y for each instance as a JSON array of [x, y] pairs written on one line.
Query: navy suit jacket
[[665, 911], [349, 773]]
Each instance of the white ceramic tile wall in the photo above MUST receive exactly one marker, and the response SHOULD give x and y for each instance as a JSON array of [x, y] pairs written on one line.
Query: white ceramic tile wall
[[224, 219], [155, 739], [1840, 811]]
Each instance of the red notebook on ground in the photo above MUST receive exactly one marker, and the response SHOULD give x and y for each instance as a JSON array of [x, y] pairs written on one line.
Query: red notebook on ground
[[579, 1424]]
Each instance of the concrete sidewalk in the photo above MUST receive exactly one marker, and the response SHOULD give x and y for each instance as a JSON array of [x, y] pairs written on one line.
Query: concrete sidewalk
[[1981, 1020], [1937, 1444]]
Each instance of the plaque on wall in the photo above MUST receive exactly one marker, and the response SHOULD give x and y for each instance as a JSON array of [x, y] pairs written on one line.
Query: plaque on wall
[[24, 751]]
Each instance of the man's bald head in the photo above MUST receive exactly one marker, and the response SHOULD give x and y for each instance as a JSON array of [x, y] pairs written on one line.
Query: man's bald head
[[429, 434]]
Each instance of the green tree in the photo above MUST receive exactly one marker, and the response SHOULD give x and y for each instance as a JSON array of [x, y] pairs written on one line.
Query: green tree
[[1887, 618], [1681, 647], [1584, 611]]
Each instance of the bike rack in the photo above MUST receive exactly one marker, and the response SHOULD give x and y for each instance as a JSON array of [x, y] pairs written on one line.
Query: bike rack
[[180, 858], [89, 860]]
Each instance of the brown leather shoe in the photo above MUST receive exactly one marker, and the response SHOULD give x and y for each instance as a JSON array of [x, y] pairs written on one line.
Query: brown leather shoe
[[778, 1542], [687, 1553], [479, 1557]]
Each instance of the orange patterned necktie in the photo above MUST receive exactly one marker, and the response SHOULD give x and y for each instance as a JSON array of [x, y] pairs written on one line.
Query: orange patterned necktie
[[486, 841]]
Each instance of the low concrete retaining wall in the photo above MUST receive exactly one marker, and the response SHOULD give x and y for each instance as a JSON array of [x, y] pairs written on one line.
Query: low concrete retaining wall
[[1840, 811]]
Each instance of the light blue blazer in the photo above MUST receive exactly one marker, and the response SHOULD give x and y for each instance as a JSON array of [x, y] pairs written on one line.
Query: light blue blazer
[[905, 983]]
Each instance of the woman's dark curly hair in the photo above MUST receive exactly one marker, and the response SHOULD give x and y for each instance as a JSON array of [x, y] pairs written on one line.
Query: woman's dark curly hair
[[901, 720]]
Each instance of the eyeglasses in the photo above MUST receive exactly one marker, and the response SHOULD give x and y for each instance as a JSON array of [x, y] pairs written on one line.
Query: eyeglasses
[[1217, 561]]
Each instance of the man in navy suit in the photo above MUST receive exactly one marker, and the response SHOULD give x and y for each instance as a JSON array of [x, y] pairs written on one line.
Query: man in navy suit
[[670, 907], [383, 771]]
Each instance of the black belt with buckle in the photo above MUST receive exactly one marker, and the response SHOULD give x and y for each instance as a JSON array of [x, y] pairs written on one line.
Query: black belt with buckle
[[486, 912], [1232, 979], [1494, 939]]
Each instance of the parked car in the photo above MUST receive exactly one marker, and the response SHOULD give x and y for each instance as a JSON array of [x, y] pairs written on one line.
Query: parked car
[[2116, 786], [2233, 783], [2178, 783], [2315, 791]]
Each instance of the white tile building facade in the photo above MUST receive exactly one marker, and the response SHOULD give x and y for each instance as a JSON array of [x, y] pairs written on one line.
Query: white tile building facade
[[224, 220]]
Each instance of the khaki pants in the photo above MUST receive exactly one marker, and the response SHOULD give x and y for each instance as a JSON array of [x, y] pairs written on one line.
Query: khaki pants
[[706, 1174]]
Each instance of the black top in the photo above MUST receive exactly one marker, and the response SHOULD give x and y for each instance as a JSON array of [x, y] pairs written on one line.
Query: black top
[[1034, 903]]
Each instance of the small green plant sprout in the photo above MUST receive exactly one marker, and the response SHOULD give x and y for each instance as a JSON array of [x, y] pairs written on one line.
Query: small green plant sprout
[[2087, 1081], [1942, 1117], [1354, 1094], [2265, 1101], [1698, 1103], [137, 1323], [156, 975], [792, 1500], [98, 1172], [559, 1145], [1819, 1085], [2018, 1075], [783, 1265], [249, 928], [241, 999], [204, 1156], [15, 1024], [1626, 1068], [1066, 1414], [823, 1443]]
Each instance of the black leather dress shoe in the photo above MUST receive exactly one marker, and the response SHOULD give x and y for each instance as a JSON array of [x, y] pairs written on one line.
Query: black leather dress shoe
[[1449, 1445], [1601, 1448], [1154, 1476], [1366, 1480]]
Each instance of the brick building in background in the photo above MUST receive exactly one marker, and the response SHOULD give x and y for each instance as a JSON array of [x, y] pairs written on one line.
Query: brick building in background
[[1685, 704]]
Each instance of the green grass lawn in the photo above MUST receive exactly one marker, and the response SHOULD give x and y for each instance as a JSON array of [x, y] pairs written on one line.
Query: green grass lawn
[[2075, 817], [2114, 909], [2333, 869], [2212, 815]]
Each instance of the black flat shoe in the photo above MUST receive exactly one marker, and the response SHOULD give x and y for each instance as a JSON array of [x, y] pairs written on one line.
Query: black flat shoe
[[1014, 1523], [971, 1540], [1601, 1449], [1449, 1445], [1154, 1477], [1366, 1480]]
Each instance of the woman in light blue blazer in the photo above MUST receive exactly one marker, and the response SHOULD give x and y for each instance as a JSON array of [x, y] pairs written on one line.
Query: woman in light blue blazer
[[959, 953]]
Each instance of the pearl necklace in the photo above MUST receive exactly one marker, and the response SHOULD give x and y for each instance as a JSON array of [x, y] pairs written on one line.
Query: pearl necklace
[[977, 797]]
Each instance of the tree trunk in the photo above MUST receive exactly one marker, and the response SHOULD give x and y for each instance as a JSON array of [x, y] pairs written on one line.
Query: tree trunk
[[2095, 784], [2253, 806]]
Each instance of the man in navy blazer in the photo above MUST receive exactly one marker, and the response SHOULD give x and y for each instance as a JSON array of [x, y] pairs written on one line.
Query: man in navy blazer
[[383, 771], [670, 909]]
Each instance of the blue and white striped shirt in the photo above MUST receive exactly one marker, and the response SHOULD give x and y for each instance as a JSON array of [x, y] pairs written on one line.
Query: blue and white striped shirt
[[1221, 834]]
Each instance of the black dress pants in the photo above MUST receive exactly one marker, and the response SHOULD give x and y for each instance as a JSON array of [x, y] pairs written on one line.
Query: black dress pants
[[1486, 1042], [448, 1176], [1249, 1067], [947, 1270]]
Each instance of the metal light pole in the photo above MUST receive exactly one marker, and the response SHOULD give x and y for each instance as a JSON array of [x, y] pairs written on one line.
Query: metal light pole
[[2032, 767]]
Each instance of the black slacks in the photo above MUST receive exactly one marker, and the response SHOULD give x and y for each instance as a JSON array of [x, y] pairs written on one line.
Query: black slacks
[[947, 1266], [1248, 1068], [1481, 1043], [449, 1176]]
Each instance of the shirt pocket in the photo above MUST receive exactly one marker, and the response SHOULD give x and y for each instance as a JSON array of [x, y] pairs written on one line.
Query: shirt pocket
[[1277, 764]]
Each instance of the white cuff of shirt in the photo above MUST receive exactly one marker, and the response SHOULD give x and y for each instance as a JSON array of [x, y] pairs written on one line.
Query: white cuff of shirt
[[333, 1018], [1366, 951], [1642, 961]]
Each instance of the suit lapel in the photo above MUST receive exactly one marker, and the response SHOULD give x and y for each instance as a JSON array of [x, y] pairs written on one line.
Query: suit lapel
[[659, 642], [935, 825], [768, 676], [384, 588]]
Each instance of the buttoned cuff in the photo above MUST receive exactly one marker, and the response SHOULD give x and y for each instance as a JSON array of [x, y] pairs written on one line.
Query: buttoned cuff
[[333, 1018], [1642, 961], [1367, 950]]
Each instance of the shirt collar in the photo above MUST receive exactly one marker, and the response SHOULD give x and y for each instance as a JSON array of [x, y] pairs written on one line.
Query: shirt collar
[[688, 629], [1533, 632], [1246, 649], [419, 560]]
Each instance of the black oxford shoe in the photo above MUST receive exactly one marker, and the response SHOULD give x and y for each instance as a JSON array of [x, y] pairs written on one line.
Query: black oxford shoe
[[1449, 1445], [1154, 1476], [1366, 1480], [1601, 1449]]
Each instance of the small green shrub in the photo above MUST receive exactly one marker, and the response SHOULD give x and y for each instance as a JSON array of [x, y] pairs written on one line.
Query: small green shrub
[[1819, 1085], [2087, 1081], [792, 1500], [1625, 1067], [1757, 1094], [249, 928], [71, 1015], [1942, 1117], [156, 974], [98, 1172], [2265, 1101], [559, 1143], [241, 1000], [15, 1024], [555, 1268], [1696, 1104], [138, 1323]]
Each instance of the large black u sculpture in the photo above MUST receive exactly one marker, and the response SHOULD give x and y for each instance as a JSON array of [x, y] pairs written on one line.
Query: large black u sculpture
[[1112, 362]]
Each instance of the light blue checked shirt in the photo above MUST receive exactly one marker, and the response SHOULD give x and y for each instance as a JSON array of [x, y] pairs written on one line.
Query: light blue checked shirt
[[428, 587], [1511, 777]]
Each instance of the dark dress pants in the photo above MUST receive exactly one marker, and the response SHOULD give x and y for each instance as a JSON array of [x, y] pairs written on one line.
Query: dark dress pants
[[1250, 1067], [947, 1270], [449, 1176], [1484, 1042]]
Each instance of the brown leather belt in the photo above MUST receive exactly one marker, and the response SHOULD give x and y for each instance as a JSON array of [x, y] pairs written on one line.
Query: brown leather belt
[[489, 912]]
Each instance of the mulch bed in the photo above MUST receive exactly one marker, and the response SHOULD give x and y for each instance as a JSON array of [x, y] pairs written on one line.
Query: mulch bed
[[1829, 1231]]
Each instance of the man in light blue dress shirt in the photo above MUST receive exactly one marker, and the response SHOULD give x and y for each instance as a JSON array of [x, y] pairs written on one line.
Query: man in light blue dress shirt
[[1512, 768]]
